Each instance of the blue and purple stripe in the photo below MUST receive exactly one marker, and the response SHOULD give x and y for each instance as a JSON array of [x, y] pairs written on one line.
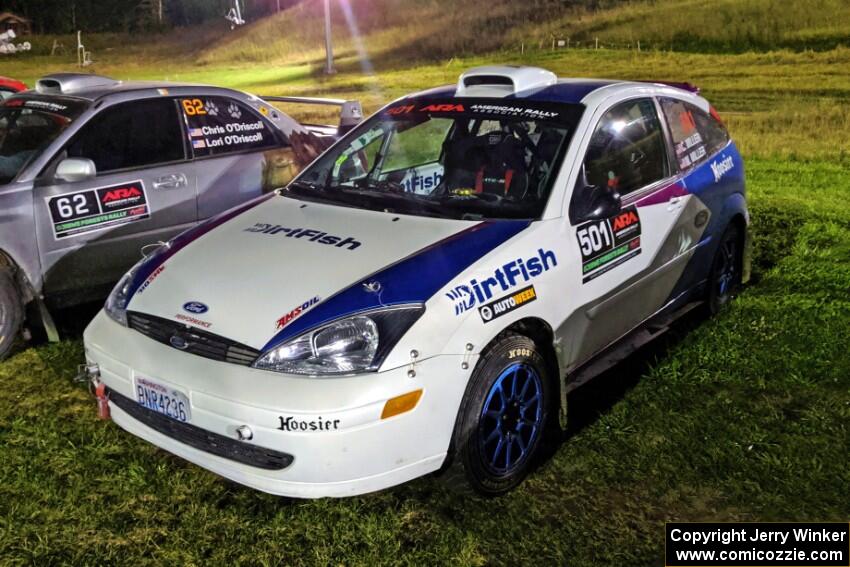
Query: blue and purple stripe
[[413, 279]]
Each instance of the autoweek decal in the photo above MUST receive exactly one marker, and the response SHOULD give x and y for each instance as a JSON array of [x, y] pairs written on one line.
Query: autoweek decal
[[96, 209], [607, 243], [479, 290], [506, 304]]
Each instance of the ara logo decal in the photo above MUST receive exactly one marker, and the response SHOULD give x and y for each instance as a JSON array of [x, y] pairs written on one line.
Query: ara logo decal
[[195, 307], [722, 167], [515, 272], [289, 317], [625, 220], [442, 108], [121, 194]]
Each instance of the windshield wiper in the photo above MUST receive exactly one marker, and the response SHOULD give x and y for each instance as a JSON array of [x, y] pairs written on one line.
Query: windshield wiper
[[396, 195]]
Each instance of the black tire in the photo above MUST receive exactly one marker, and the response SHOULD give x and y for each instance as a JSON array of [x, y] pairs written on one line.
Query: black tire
[[11, 313], [512, 361], [724, 280]]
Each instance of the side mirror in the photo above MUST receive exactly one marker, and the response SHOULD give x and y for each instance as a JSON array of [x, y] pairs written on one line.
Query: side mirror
[[72, 170], [602, 203]]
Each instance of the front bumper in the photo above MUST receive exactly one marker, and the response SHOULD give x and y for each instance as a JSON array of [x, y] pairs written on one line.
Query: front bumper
[[331, 427]]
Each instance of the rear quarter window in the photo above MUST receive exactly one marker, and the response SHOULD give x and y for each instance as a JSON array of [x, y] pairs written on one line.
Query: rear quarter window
[[220, 125], [696, 134]]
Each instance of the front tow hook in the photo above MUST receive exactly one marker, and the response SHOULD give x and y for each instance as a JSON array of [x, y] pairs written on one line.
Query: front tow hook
[[90, 373]]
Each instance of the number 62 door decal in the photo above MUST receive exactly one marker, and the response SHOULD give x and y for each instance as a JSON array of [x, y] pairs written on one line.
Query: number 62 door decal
[[607, 243], [95, 209]]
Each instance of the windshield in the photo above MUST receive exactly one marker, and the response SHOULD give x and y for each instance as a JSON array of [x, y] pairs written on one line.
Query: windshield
[[27, 126], [459, 158]]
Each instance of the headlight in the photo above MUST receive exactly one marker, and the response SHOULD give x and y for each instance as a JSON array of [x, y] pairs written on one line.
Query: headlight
[[116, 302], [354, 344]]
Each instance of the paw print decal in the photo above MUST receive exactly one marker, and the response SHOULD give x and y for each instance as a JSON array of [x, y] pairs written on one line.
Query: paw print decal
[[211, 108], [234, 111]]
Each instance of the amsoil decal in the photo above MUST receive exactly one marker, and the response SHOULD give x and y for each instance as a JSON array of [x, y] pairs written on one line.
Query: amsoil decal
[[97, 209], [310, 234], [477, 292], [506, 304], [607, 243], [289, 317]]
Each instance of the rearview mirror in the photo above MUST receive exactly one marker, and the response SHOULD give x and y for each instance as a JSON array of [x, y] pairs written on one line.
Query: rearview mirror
[[602, 203], [72, 170]]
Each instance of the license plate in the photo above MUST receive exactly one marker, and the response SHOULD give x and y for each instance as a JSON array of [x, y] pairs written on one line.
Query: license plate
[[162, 399]]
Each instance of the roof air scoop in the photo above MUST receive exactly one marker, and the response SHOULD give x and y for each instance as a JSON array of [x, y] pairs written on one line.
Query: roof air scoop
[[503, 80], [63, 83]]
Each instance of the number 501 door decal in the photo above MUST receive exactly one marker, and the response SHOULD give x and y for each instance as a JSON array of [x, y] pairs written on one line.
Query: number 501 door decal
[[607, 243], [99, 208]]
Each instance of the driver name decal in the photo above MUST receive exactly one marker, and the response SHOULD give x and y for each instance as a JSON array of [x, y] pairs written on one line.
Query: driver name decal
[[607, 243], [96, 209]]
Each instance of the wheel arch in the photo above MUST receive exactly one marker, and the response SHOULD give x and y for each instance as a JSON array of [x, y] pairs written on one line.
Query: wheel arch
[[541, 332], [735, 210], [25, 288]]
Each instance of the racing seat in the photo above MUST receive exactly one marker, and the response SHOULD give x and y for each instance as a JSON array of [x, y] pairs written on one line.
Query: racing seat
[[502, 170]]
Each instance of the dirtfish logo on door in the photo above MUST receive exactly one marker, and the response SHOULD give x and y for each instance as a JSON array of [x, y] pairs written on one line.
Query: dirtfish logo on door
[[477, 291], [722, 167]]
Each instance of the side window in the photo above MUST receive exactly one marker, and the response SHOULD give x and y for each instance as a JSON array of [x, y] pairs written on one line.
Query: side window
[[132, 134], [696, 134], [219, 125], [419, 145], [627, 150]]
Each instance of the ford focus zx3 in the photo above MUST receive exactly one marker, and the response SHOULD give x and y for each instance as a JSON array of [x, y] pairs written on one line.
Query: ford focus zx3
[[429, 290]]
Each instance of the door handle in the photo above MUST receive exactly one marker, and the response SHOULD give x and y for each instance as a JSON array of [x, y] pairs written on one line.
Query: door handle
[[675, 203], [171, 181]]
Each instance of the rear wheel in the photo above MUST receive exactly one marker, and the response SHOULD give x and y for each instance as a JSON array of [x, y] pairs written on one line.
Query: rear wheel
[[11, 313], [725, 277], [504, 415]]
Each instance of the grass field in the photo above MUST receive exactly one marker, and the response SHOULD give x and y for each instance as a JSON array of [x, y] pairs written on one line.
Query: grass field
[[743, 417]]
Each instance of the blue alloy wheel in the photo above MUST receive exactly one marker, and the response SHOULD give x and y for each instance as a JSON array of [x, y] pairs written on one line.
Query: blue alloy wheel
[[511, 419]]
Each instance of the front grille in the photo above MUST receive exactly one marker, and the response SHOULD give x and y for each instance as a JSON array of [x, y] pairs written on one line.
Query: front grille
[[202, 439], [196, 341]]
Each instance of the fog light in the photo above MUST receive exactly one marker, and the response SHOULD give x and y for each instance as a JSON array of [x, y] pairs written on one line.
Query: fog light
[[401, 404]]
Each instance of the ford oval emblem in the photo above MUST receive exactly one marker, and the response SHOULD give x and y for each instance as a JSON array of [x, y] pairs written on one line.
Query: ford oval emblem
[[195, 307], [178, 342]]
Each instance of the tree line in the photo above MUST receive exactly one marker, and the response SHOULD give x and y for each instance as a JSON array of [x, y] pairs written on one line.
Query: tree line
[[67, 16]]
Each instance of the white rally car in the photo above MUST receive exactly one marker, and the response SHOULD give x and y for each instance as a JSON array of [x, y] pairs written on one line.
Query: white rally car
[[431, 287]]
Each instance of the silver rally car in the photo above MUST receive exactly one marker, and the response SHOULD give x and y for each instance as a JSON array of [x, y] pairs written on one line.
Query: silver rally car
[[93, 169]]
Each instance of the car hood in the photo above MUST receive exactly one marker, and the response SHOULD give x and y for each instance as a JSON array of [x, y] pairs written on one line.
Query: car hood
[[262, 274]]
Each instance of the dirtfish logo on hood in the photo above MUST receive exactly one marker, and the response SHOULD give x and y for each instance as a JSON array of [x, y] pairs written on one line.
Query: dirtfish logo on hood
[[467, 296], [310, 234], [721, 168]]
